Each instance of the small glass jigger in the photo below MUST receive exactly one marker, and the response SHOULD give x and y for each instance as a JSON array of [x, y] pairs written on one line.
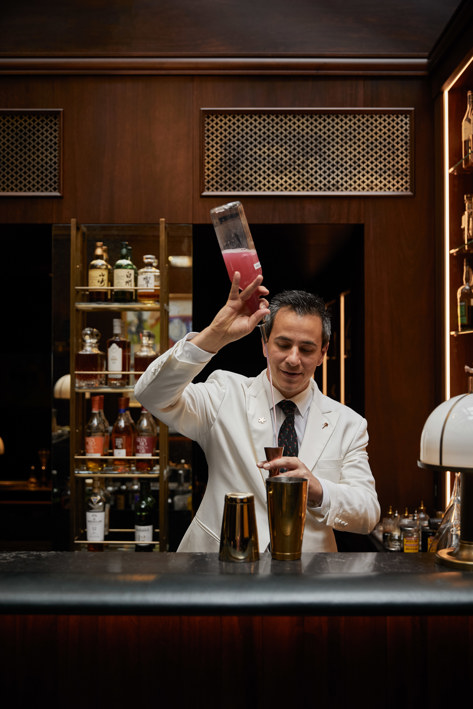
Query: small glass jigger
[[239, 535], [271, 453], [287, 508]]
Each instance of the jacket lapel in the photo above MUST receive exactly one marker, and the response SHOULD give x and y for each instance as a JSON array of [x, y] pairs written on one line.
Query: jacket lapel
[[320, 427]]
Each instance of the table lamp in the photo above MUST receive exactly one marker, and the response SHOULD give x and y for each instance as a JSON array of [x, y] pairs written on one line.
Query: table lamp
[[447, 444]]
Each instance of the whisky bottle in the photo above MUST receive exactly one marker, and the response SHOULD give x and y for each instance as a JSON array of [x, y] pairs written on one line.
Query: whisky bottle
[[99, 275], [145, 441], [90, 361], [465, 299], [145, 518], [467, 221], [124, 276], [118, 356], [95, 437], [467, 132], [145, 354], [95, 517], [106, 445], [149, 280], [123, 437]]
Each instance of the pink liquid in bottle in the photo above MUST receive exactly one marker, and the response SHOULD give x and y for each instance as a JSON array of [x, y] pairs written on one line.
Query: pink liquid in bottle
[[237, 247], [247, 263]]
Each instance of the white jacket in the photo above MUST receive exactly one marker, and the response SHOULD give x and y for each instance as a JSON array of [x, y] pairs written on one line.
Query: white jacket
[[228, 416]]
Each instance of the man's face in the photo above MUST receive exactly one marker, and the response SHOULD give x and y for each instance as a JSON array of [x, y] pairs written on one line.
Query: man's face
[[295, 350]]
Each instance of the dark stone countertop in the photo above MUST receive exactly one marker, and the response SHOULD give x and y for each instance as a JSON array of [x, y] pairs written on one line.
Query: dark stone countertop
[[344, 583]]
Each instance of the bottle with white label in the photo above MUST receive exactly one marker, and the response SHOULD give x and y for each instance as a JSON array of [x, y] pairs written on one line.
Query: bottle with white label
[[118, 356], [145, 518], [149, 280], [123, 437], [95, 517], [124, 276]]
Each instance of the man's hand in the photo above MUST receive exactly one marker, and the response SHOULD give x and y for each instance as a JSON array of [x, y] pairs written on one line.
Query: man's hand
[[234, 320], [296, 469]]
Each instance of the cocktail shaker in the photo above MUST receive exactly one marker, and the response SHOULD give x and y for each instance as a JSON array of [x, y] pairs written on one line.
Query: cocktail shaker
[[287, 508], [239, 535]]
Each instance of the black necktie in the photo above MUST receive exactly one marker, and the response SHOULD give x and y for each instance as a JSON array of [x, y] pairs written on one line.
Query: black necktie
[[287, 433]]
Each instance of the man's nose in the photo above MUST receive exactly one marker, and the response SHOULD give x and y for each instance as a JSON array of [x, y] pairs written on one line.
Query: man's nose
[[293, 357]]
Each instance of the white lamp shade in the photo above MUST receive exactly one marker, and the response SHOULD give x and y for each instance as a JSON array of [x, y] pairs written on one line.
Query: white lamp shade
[[62, 388], [447, 436]]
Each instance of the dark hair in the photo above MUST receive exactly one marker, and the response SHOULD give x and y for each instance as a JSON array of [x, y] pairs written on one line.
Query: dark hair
[[302, 303]]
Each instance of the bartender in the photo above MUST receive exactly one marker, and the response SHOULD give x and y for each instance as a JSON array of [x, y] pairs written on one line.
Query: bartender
[[232, 418]]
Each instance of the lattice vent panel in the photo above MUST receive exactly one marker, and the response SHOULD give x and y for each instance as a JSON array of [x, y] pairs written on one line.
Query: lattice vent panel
[[30, 152], [306, 152]]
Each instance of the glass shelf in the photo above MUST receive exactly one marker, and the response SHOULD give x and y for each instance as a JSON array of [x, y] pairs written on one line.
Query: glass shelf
[[463, 249], [120, 307], [456, 333]]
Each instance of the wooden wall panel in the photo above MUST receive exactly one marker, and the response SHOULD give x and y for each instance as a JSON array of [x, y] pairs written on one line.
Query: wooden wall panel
[[400, 356], [214, 661], [127, 148], [132, 154]]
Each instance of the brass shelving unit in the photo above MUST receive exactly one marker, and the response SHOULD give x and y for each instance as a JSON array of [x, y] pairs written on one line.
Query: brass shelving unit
[[80, 310]]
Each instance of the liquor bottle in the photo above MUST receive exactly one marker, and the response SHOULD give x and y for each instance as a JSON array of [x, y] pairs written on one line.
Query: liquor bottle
[[237, 246], [106, 445], [387, 523], [90, 361], [95, 517], [149, 280], [467, 132], [123, 437], [118, 356], [109, 269], [95, 437], [124, 276], [145, 518], [467, 221], [146, 354], [99, 275], [145, 441], [394, 541], [465, 299]]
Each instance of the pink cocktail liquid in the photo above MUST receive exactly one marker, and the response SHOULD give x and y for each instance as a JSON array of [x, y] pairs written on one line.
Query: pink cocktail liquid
[[247, 263]]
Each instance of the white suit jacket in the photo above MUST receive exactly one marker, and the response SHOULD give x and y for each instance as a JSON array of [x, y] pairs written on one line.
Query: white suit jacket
[[228, 416]]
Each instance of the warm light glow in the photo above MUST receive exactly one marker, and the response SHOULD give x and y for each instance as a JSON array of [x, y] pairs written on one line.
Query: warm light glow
[[342, 348], [446, 251]]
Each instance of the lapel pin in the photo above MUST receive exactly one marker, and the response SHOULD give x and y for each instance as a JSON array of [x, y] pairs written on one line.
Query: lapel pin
[[325, 424], [262, 419]]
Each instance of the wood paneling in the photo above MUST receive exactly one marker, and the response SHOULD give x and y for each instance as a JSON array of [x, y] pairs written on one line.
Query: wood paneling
[[132, 154], [224, 28], [231, 662]]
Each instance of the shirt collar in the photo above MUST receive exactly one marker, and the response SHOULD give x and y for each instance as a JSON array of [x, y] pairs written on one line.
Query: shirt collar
[[302, 400]]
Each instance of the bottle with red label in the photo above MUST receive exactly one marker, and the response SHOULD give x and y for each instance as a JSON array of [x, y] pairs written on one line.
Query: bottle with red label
[[123, 437], [145, 441], [95, 438]]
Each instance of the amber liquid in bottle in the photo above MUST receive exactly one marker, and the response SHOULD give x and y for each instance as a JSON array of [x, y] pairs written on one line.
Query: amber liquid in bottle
[[149, 280], [99, 275], [146, 354], [89, 360]]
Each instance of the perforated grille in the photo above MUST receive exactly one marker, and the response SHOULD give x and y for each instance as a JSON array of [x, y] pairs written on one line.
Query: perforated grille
[[307, 151], [30, 152]]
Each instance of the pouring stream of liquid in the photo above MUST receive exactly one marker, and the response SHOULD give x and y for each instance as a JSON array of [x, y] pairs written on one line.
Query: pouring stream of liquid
[[273, 412]]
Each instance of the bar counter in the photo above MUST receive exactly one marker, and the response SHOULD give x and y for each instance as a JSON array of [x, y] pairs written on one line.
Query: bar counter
[[121, 629], [171, 583]]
